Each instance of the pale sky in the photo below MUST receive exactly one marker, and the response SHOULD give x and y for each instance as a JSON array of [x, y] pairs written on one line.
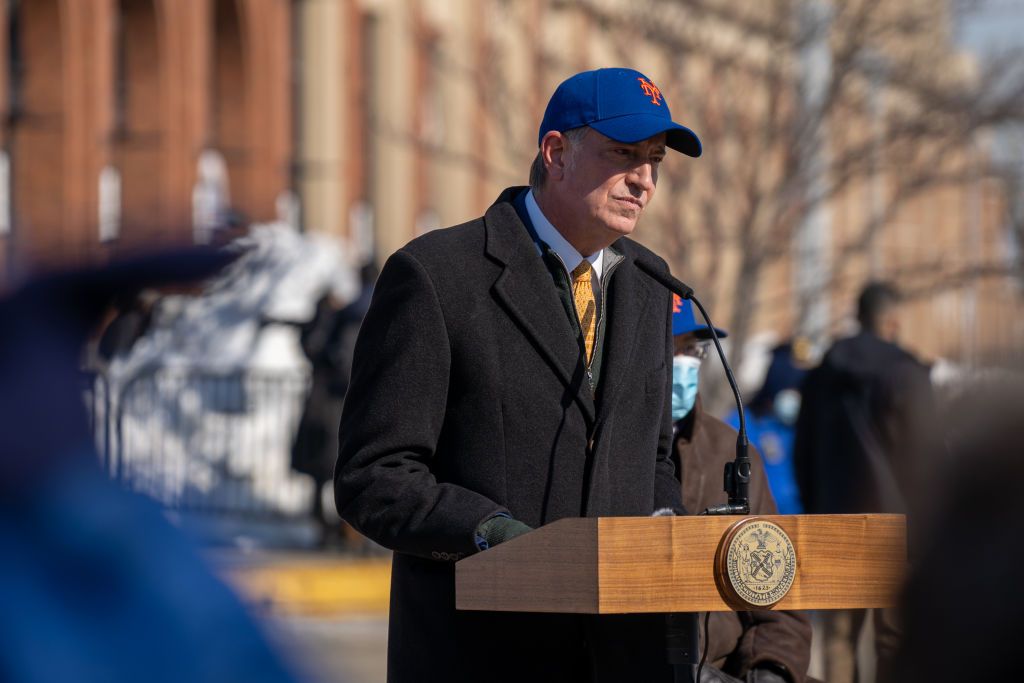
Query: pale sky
[[996, 25]]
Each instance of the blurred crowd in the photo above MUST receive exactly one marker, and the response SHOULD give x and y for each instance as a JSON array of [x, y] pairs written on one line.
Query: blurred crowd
[[865, 429]]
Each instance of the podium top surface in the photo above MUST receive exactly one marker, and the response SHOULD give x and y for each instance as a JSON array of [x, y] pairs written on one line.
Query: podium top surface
[[617, 565]]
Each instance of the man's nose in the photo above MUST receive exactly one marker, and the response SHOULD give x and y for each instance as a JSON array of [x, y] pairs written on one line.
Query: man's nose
[[642, 177]]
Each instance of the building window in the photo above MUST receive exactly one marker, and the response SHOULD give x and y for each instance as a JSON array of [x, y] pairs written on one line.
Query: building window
[[110, 204], [210, 198], [361, 231], [5, 194]]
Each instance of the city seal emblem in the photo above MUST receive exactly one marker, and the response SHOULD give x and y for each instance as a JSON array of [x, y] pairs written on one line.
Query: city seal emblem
[[755, 565]]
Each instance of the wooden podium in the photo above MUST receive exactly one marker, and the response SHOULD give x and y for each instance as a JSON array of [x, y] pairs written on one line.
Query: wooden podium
[[616, 565]]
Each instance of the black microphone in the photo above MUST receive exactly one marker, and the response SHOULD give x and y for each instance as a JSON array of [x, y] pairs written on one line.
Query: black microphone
[[665, 279], [737, 473]]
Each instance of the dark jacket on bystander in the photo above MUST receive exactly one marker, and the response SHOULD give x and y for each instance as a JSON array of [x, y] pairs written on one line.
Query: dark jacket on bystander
[[739, 641]]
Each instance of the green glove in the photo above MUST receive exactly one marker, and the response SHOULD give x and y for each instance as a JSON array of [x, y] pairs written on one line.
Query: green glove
[[500, 529]]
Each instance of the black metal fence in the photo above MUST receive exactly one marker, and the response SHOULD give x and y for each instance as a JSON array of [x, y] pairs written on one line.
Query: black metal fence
[[203, 442]]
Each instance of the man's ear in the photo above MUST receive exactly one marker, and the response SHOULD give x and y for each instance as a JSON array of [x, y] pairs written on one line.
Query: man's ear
[[553, 153]]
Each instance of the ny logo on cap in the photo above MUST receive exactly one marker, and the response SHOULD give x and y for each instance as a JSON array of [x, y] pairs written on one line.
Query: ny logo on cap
[[650, 90]]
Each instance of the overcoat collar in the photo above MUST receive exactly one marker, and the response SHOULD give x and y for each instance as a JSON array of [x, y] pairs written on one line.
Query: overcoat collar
[[521, 288], [524, 288], [628, 299]]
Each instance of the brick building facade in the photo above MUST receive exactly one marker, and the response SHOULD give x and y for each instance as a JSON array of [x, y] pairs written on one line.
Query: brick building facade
[[109, 106], [128, 123]]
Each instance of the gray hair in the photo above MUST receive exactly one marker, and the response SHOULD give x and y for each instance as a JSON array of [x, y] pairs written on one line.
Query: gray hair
[[539, 172]]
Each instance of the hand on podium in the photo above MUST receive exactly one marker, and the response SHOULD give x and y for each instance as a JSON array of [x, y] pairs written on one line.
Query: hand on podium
[[498, 530]]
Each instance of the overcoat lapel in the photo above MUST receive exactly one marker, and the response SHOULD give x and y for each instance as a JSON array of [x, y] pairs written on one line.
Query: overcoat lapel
[[628, 297], [525, 290]]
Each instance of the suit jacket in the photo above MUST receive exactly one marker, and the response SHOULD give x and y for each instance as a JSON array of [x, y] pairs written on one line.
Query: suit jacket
[[739, 641], [469, 398]]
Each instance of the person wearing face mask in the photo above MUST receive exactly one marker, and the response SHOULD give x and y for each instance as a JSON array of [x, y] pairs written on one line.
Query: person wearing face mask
[[752, 647], [771, 421]]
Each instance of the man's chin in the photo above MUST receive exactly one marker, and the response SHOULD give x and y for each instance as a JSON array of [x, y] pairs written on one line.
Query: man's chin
[[621, 226]]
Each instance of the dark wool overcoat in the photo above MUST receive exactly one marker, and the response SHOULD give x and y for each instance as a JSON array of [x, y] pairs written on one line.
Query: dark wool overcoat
[[469, 398], [865, 439]]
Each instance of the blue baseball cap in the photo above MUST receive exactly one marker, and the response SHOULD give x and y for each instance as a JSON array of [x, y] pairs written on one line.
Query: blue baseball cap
[[621, 104], [684, 322]]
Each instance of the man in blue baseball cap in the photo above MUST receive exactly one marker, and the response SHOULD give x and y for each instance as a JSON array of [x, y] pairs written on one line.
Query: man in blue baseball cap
[[752, 647], [587, 178], [511, 372]]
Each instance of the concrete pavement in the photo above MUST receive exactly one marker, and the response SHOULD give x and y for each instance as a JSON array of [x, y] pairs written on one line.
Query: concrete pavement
[[325, 612]]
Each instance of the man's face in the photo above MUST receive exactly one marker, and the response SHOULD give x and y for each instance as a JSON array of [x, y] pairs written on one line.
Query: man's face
[[609, 184]]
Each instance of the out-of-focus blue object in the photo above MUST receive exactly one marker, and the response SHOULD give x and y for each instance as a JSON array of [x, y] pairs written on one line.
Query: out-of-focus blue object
[[774, 439], [95, 584], [771, 422]]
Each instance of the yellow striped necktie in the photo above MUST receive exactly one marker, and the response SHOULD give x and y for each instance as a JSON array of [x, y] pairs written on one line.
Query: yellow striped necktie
[[586, 305]]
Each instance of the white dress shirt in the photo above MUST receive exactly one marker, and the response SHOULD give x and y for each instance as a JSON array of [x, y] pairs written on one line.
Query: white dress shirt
[[550, 235]]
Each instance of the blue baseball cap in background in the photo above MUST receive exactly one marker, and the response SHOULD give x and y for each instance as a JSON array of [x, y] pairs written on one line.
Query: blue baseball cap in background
[[621, 104], [684, 322]]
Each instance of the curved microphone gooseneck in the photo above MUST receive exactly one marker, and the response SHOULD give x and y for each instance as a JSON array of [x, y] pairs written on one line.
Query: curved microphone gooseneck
[[737, 473]]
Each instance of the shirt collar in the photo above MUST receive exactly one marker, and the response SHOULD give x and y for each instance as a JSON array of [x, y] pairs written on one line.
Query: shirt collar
[[550, 235]]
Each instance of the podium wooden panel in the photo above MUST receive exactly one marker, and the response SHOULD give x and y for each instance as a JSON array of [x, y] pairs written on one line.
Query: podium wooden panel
[[617, 565]]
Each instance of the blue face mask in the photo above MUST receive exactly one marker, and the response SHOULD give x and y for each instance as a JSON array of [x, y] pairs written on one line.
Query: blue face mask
[[685, 374]]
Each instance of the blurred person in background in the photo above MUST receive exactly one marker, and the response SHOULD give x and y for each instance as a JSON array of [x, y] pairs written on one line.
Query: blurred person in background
[[754, 647], [328, 342], [95, 583], [961, 605], [315, 448], [771, 421], [865, 425], [511, 372], [133, 315]]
